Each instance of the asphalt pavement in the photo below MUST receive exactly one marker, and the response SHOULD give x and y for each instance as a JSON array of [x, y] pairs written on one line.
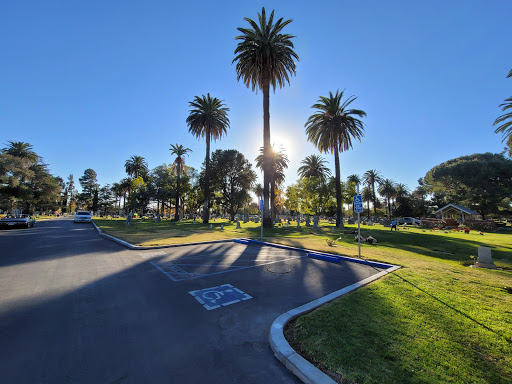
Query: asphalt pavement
[[79, 308]]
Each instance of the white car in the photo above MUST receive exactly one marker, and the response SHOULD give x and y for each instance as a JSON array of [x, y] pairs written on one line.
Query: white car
[[83, 217]]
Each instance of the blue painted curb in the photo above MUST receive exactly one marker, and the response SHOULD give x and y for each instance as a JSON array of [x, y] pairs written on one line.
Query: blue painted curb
[[330, 259], [346, 258]]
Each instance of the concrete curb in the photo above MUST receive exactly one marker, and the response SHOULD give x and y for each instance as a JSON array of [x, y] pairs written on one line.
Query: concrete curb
[[131, 246], [299, 366]]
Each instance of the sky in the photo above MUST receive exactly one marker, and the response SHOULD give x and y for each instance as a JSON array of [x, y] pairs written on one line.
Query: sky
[[90, 84]]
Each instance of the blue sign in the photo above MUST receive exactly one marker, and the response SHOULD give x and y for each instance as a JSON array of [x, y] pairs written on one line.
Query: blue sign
[[358, 204], [261, 205]]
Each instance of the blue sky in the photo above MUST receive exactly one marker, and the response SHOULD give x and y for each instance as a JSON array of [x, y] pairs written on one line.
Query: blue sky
[[89, 84]]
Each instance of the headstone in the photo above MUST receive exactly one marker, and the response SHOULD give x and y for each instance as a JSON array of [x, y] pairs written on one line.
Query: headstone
[[308, 224], [211, 226], [332, 229], [386, 223], [246, 219], [158, 218], [257, 220], [351, 221], [222, 227], [238, 225], [485, 258], [298, 222], [315, 222]]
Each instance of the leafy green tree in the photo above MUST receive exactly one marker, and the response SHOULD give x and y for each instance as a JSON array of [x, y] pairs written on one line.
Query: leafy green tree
[[136, 166], [208, 118], [264, 57], [331, 129], [90, 186], [370, 178], [232, 178], [179, 151], [25, 181], [480, 181], [506, 121], [163, 184]]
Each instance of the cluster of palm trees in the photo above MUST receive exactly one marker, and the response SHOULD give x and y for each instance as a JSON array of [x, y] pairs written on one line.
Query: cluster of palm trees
[[265, 58]]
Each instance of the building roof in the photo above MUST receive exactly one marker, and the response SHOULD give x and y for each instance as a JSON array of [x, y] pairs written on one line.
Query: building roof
[[458, 208]]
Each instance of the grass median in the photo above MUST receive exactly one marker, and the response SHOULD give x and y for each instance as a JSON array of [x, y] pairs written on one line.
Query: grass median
[[436, 320]]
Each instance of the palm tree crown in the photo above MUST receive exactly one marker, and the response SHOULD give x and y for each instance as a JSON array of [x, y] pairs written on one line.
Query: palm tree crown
[[370, 178], [208, 118], [313, 166], [21, 149], [331, 129], [506, 119], [356, 179], [179, 151], [278, 163], [136, 166], [265, 56]]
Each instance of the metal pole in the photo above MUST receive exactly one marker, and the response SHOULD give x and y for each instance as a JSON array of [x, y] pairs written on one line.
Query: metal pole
[[358, 227], [261, 205]]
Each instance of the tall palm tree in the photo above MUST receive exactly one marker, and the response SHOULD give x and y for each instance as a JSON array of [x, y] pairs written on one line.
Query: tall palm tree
[[278, 163], [180, 151], [367, 196], [370, 178], [21, 149], [265, 57], [126, 186], [387, 189], [208, 118], [314, 166], [136, 166], [117, 190], [331, 129], [506, 119]]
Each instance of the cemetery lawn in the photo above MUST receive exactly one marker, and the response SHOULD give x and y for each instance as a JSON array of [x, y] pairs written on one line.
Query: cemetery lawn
[[435, 320]]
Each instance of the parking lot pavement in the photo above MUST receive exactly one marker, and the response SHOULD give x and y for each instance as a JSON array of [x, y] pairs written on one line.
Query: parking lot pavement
[[97, 312]]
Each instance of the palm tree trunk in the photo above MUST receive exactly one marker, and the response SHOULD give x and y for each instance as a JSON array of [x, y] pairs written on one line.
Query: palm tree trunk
[[374, 200], [267, 219], [339, 217], [206, 208], [273, 199], [177, 215]]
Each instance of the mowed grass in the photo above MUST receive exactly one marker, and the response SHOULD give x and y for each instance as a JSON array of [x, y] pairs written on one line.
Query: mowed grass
[[436, 320]]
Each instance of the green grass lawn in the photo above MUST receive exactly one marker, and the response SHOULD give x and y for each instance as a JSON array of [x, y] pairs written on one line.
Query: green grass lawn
[[436, 320]]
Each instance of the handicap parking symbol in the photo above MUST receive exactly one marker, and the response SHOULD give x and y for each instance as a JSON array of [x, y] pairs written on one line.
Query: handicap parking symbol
[[221, 296]]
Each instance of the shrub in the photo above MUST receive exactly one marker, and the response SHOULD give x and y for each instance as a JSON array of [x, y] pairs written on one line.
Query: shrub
[[432, 223], [482, 225]]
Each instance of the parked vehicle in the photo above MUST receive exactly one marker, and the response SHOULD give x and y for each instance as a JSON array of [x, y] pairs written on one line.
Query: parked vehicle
[[83, 217], [12, 221], [408, 221]]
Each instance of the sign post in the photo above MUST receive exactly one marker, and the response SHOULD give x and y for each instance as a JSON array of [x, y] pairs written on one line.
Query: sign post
[[261, 209], [358, 208]]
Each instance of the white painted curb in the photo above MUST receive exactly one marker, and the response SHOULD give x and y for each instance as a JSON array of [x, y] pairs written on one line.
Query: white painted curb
[[299, 366]]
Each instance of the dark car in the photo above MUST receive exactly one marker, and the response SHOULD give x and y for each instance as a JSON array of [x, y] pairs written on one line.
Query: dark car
[[12, 221]]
